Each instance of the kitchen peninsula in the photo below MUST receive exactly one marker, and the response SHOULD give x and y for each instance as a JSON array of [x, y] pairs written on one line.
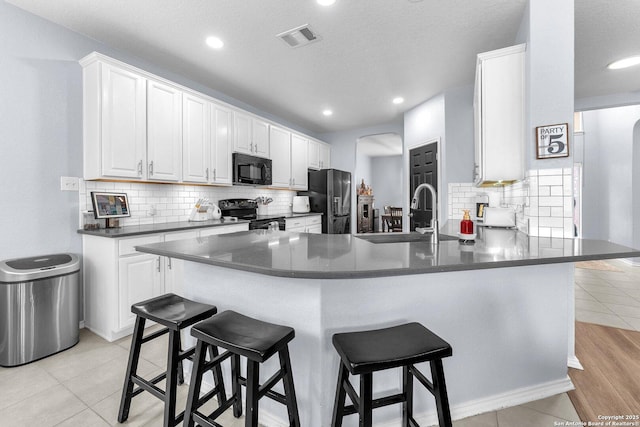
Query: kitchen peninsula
[[505, 303]]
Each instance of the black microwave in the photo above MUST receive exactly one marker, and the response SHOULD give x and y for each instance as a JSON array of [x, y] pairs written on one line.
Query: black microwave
[[251, 170]]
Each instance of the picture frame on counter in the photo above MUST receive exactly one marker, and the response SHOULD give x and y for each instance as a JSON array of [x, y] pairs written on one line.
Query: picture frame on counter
[[552, 141]]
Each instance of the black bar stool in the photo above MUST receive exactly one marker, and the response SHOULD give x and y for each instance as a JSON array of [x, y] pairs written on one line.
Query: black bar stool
[[176, 313], [257, 341], [363, 353]]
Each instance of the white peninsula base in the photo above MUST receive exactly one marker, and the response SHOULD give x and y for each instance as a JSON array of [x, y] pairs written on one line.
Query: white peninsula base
[[511, 329]]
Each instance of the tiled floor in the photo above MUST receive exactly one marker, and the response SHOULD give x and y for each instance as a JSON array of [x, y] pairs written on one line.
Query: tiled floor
[[80, 387], [610, 298]]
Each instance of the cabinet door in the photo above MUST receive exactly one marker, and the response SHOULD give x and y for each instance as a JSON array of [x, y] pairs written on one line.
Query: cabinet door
[[164, 132], [313, 155], [195, 139], [260, 132], [140, 278], [281, 157], [324, 155], [242, 133], [173, 267], [123, 130], [221, 143], [299, 150]]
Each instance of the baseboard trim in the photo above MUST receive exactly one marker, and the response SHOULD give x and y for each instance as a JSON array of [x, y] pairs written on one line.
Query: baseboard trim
[[631, 262], [574, 363], [459, 411], [494, 403]]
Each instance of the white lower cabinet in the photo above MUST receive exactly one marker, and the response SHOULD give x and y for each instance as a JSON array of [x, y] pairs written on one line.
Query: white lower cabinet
[[139, 278], [116, 276], [304, 224]]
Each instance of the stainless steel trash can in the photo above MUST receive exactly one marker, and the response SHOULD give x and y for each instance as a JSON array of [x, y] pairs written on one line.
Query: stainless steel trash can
[[38, 307]]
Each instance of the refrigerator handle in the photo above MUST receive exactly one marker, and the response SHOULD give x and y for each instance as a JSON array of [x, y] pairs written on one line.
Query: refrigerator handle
[[336, 206]]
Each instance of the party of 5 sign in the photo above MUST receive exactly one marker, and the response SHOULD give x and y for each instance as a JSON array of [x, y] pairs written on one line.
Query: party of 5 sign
[[552, 141]]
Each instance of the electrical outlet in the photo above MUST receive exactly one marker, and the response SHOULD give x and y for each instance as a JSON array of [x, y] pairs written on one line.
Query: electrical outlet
[[69, 183]]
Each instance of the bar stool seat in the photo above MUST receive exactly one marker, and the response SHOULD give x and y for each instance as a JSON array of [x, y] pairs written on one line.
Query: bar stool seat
[[256, 340], [174, 313], [365, 352]]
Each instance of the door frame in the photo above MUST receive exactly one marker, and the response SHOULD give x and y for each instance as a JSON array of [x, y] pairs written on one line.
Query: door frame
[[407, 166]]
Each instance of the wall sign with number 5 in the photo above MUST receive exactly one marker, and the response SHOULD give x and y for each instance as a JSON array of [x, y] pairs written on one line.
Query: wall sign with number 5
[[552, 141]]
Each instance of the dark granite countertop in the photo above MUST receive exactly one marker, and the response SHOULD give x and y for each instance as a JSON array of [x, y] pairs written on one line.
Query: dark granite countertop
[[332, 256], [136, 230]]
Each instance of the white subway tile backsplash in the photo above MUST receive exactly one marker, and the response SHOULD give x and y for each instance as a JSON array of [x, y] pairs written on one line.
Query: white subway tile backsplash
[[173, 203], [543, 172], [550, 180], [556, 190], [543, 202], [544, 211], [551, 201]]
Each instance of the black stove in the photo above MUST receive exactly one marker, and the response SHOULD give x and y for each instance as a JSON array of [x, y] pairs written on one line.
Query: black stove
[[248, 209]]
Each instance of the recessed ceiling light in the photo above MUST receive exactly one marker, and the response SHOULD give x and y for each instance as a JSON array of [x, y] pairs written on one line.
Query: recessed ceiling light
[[398, 100], [326, 2], [327, 113], [214, 42], [624, 63]]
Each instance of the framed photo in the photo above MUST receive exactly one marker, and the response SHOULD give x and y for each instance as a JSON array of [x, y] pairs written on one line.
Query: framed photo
[[552, 141]]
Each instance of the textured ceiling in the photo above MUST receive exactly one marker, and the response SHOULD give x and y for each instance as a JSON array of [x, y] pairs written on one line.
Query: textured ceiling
[[371, 50]]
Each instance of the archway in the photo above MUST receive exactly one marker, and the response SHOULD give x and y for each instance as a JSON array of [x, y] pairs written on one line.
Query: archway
[[379, 164]]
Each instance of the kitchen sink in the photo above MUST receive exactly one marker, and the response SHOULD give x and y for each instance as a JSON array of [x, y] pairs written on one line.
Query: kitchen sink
[[402, 237]]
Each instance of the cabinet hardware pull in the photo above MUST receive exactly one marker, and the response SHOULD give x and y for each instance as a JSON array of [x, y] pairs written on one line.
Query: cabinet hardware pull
[[158, 264], [151, 168], [207, 174], [170, 267], [214, 174], [140, 168]]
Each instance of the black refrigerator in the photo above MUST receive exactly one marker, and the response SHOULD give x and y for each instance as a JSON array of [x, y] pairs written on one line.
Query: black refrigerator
[[330, 193]]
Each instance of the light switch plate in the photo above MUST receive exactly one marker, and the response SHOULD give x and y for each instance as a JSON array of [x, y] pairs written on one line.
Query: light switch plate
[[69, 183]]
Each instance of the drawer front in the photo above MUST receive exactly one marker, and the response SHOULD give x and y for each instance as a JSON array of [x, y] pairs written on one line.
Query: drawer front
[[179, 235], [313, 220], [291, 223], [223, 229], [126, 246]]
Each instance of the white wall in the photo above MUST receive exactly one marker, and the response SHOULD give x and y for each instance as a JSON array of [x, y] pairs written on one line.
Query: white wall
[[422, 124], [608, 174], [387, 181], [548, 30]]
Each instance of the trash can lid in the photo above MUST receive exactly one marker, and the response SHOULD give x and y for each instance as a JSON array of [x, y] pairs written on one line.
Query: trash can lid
[[38, 267]]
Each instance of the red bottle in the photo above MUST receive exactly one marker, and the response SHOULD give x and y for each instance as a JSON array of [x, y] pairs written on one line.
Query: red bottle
[[466, 225]]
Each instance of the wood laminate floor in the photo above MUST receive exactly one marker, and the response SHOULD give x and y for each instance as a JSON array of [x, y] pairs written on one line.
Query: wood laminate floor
[[610, 382]]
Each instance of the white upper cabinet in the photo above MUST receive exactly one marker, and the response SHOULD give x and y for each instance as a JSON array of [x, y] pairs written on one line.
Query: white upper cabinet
[[221, 145], [280, 141], [319, 155], [207, 141], [114, 114], [499, 105], [138, 126], [251, 135], [195, 138], [289, 159], [164, 132], [299, 155]]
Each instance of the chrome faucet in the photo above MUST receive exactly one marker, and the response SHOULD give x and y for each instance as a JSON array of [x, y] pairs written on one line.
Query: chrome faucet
[[434, 218]]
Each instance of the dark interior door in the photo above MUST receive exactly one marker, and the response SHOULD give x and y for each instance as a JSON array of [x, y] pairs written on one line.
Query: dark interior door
[[423, 163]]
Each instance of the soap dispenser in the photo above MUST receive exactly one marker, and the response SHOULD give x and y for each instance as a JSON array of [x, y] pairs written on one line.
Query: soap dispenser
[[466, 225]]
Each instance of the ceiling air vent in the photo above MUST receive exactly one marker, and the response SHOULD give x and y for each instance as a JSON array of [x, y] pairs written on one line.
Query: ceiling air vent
[[299, 36]]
